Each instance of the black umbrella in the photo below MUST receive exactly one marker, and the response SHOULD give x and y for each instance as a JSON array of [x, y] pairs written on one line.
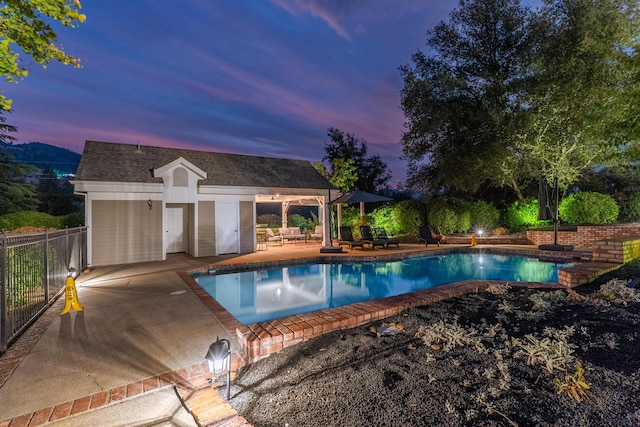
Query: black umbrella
[[358, 196], [544, 211]]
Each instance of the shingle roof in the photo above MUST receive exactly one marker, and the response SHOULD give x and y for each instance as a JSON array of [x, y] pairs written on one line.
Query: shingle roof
[[113, 162]]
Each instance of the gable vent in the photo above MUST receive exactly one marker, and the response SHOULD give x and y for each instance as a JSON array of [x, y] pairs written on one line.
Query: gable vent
[[180, 177]]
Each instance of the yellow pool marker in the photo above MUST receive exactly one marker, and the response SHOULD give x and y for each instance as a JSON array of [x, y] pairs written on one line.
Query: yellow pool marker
[[474, 242], [71, 296]]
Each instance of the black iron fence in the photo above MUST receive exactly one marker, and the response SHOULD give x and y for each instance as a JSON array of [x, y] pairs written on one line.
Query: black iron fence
[[33, 271]]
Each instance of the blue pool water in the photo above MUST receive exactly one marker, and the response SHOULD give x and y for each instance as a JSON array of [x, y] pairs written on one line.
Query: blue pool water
[[261, 295]]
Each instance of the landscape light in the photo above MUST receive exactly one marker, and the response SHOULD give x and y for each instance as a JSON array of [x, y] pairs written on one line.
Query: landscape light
[[219, 358]]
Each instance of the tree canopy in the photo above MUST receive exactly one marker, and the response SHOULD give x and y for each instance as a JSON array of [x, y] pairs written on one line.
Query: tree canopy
[[15, 196], [349, 166], [506, 94], [26, 30]]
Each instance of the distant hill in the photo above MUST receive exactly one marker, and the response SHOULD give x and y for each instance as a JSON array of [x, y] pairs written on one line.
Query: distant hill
[[42, 155]]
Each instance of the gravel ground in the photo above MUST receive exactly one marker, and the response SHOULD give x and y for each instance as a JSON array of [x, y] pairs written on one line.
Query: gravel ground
[[505, 357]]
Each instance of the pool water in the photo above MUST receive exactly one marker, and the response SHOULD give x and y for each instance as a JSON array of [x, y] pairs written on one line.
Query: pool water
[[262, 295]]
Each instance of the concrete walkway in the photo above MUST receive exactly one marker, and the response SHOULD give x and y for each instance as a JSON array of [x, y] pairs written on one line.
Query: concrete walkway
[[111, 363], [135, 353]]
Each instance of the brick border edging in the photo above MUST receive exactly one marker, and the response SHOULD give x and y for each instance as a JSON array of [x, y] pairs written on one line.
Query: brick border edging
[[188, 382]]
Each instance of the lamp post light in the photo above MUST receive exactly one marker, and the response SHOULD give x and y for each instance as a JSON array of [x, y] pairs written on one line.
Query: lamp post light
[[219, 358]]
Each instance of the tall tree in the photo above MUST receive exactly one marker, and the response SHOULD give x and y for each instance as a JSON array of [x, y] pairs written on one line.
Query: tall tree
[[372, 173], [26, 25], [15, 196], [463, 101], [581, 70]]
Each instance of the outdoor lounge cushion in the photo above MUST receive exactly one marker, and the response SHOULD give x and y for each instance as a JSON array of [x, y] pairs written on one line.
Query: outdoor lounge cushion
[[426, 236], [347, 239], [291, 233], [365, 232], [318, 233], [271, 237], [381, 234]]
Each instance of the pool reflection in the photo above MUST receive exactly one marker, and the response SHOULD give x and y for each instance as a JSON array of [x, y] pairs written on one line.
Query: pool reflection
[[262, 295]]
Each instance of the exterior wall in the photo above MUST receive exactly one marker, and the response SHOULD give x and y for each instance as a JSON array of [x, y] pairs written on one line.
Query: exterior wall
[[247, 230], [126, 232], [206, 229], [586, 235]]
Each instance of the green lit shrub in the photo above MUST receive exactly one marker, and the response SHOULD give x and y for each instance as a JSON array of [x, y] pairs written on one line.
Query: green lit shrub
[[523, 213], [449, 215], [409, 215], [386, 217], [350, 215], [484, 215], [401, 218], [588, 208], [13, 221]]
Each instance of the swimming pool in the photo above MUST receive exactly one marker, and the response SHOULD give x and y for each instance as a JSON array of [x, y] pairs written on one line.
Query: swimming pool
[[262, 295]]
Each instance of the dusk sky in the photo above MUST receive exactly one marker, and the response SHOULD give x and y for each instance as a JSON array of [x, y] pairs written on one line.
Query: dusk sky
[[260, 77]]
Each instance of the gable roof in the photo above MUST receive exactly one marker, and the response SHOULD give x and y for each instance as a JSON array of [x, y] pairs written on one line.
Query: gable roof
[[114, 162]]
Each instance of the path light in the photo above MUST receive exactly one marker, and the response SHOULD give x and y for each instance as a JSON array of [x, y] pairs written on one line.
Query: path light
[[479, 232], [219, 358]]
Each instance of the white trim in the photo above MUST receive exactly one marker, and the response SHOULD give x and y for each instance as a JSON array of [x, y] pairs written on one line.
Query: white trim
[[180, 161]]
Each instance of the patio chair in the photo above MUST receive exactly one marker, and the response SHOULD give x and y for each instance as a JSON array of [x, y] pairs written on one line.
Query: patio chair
[[365, 232], [426, 236], [317, 235], [381, 234], [348, 240], [273, 238]]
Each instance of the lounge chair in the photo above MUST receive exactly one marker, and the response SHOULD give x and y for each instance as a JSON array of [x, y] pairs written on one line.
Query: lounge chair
[[365, 232], [381, 234], [273, 238], [317, 235], [346, 239], [426, 236]]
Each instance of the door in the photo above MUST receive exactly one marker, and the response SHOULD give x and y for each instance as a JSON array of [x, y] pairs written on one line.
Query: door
[[227, 227], [176, 235]]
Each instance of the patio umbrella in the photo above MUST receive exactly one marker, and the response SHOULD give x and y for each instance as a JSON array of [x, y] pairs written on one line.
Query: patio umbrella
[[361, 197], [544, 211]]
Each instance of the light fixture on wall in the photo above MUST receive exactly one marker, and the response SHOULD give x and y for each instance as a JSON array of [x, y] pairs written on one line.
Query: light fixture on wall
[[150, 203]]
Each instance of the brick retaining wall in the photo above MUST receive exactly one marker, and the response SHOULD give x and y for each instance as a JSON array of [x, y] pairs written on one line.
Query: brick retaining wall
[[586, 235]]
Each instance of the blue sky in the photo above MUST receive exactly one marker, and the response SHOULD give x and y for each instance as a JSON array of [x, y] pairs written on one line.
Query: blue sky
[[258, 77]]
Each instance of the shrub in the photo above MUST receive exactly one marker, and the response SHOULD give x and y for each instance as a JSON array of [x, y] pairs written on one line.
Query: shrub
[[484, 215], [297, 220], [630, 208], [72, 220], [272, 220], [589, 208], [385, 217], [523, 213], [35, 219], [409, 215], [449, 215]]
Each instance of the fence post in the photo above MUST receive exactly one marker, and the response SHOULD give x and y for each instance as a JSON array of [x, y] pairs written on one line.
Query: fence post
[[3, 294], [46, 265]]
